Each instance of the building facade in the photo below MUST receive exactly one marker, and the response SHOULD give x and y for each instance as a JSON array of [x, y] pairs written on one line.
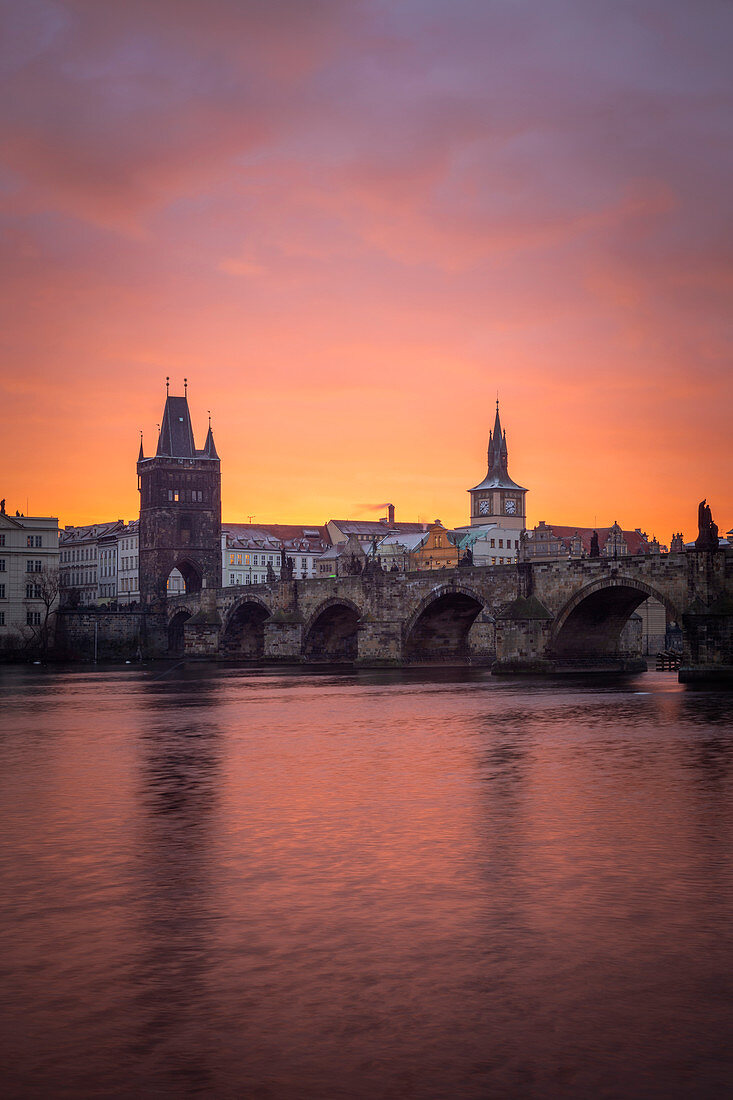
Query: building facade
[[29, 579], [248, 549], [128, 575], [86, 578], [549, 541]]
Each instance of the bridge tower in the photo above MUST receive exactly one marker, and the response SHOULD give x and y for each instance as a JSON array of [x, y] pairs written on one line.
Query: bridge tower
[[180, 506], [498, 499]]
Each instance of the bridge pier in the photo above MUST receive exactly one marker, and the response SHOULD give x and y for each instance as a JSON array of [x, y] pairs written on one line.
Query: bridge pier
[[523, 634], [284, 637], [201, 633], [379, 642]]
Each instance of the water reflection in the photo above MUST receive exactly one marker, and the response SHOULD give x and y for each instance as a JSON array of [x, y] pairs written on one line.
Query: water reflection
[[180, 773], [423, 884]]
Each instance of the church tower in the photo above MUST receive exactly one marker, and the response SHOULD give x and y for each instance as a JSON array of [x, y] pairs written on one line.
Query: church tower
[[498, 499], [180, 506]]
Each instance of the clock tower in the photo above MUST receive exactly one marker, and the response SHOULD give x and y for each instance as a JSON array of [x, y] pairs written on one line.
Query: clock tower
[[498, 499]]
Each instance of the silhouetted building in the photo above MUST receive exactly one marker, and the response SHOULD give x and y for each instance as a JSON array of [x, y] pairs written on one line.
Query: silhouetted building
[[180, 507]]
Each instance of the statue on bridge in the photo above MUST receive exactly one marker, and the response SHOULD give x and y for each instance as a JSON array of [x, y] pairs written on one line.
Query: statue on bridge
[[595, 550], [707, 535], [288, 569], [467, 558]]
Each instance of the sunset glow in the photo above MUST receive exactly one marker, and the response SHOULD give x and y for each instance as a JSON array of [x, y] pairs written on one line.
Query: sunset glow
[[349, 224]]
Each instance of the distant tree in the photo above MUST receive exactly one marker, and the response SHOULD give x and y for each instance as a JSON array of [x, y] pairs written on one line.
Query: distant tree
[[46, 586]]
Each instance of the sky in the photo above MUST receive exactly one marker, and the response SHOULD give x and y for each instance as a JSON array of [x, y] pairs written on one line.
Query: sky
[[350, 224]]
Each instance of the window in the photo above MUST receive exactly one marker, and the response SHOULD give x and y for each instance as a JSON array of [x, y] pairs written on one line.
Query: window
[[2, 565], [2, 618], [232, 559], [501, 544], [33, 618], [231, 578], [493, 544], [29, 540], [170, 494], [2, 540], [32, 566], [176, 496], [39, 541], [493, 561], [2, 591]]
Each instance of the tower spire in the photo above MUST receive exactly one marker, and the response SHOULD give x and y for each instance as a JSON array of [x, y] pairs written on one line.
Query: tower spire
[[141, 456]]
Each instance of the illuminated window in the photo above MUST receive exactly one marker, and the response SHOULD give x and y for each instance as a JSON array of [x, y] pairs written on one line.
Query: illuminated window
[[232, 559]]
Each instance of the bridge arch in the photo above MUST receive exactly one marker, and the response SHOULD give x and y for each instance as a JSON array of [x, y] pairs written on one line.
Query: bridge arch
[[440, 624], [243, 632], [176, 625], [330, 634], [591, 622]]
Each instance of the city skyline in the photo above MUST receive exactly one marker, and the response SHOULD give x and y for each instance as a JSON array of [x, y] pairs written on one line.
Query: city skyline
[[350, 225]]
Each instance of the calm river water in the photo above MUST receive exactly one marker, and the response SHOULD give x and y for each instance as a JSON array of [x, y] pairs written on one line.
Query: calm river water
[[237, 883]]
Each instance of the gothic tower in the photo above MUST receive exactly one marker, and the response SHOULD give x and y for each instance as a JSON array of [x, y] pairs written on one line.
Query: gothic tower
[[498, 499], [180, 507]]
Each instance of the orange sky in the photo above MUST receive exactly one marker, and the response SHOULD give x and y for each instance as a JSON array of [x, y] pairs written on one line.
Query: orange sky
[[349, 223]]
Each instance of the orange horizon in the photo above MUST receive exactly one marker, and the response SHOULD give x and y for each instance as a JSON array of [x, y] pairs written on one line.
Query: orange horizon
[[349, 228]]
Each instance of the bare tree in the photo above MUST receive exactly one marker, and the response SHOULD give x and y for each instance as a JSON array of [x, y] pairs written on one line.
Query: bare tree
[[45, 588]]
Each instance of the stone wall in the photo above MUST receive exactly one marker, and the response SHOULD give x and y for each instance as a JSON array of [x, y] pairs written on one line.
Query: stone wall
[[120, 635]]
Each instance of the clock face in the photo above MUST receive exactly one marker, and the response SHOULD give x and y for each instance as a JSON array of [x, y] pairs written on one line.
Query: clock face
[[510, 507], [483, 507]]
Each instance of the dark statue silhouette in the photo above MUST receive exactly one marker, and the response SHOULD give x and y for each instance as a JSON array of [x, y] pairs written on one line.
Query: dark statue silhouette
[[707, 535]]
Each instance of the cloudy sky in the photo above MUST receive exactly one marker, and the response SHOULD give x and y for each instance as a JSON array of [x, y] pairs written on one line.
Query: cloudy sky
[[349, 223]]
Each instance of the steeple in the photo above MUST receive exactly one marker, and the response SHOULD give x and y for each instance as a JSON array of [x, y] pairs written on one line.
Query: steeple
[[141, 456], [209, 445], [497, 499], [498, 454]]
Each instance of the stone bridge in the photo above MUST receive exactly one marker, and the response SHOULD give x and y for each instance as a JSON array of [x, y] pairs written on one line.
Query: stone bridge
[[546, 616]]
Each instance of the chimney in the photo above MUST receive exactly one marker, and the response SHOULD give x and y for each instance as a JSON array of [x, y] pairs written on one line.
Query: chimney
[[390, 514]]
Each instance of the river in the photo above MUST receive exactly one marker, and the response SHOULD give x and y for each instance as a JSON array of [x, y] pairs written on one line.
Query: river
[[246, 883]]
